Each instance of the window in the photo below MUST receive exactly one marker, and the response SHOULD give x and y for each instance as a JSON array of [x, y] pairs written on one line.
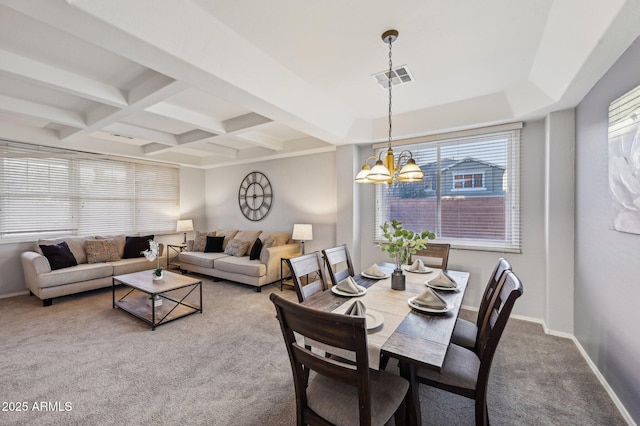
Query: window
[[53, 192], [468, 181], [470, 194]]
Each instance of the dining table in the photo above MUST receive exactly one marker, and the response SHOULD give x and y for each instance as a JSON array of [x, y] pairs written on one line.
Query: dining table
[[414, 337]]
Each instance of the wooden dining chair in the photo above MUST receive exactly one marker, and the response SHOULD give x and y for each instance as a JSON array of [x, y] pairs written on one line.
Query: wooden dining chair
[[307, 265], [465, 333], [338, 263], [337, 392], [435, 255], [466, 373]]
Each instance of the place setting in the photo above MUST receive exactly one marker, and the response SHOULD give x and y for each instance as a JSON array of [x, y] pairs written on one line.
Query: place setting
[[417, 267], [348, 288], [430, 302], [373, 319], [375, 273], [442, 281]]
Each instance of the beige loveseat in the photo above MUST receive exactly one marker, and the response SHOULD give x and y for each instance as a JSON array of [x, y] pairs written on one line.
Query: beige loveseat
[[239, 267], [98, 258]]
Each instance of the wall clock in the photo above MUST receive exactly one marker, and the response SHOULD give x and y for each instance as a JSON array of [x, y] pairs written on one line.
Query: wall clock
[[255, 196]]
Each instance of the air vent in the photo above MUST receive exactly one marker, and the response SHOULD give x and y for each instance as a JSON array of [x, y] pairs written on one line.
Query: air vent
[[121, 136], [399, 75]]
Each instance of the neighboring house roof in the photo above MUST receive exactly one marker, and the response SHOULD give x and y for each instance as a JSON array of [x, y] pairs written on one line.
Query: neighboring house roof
[[448, 163]]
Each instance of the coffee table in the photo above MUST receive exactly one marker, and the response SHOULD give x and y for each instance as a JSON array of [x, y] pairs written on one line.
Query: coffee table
[[181, 295]]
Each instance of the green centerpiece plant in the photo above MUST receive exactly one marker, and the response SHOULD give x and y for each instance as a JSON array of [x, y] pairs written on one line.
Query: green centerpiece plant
[[401, 243]]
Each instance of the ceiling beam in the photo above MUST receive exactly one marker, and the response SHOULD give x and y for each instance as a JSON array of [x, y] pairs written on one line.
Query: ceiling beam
[[33, 71], [192, 118], [45, 112], [141, 133]]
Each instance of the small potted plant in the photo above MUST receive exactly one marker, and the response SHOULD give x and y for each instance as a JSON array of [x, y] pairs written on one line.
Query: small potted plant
[[400, 244], [152, 254]]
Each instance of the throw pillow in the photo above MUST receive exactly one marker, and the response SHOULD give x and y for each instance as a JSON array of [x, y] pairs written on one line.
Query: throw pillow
[[58, 255], [214, 245], [269, 242], [134, 246], [101, 251], [256, 249], [236, 248]]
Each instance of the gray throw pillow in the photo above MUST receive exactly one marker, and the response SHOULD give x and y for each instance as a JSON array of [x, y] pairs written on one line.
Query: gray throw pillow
[[237, 248]]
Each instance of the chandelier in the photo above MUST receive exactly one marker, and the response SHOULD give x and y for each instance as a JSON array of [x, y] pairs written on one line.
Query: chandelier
[[387, 171]]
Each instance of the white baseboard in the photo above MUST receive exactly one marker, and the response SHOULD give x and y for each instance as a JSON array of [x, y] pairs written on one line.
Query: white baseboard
[[623, 411], [612, 394]]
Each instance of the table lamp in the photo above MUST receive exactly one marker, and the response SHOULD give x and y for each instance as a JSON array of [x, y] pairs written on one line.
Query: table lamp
[[184, 226], [302, 232]]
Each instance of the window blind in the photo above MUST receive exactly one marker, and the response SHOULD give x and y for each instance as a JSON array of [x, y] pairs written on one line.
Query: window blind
[[470, 195], [53, 192]]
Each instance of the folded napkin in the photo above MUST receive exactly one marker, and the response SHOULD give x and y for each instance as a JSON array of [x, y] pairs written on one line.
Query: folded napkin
[[357, 309], [444, 280], [348, 285], [429, 299], [374, 271], [418, 266]]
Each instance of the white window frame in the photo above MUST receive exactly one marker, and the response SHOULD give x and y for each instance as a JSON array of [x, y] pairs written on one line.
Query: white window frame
[[511, 185]]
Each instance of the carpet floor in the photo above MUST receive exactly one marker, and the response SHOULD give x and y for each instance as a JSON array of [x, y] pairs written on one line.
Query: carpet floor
[[81, 362]]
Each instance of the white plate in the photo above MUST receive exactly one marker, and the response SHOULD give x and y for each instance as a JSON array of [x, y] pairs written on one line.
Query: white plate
[[344, 293], [373, 277], [426, 271], [429, 310], [437, 287], [374, 319]]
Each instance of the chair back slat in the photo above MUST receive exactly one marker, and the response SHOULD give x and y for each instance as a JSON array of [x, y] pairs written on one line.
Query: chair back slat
[[499, 312], [304, 266], [494, 284], [435, 255], [338, 263]]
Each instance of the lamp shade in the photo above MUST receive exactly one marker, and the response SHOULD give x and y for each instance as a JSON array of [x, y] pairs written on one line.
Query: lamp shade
[[302, 232], [184, 225]]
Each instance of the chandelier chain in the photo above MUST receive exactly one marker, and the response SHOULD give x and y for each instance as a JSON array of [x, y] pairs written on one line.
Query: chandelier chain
[[389, 83]]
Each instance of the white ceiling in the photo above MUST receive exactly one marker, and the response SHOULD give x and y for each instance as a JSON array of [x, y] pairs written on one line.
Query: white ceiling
[[206, 83]]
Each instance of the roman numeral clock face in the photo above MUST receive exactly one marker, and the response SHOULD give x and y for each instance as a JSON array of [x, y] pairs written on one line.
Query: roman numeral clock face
[[255, 196]]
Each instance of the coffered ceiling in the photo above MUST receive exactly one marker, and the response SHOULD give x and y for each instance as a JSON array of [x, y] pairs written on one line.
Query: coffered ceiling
[[206, 83]]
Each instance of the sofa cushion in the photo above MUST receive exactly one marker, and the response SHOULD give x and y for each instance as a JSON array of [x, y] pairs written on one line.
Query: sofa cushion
[[214, 245], [249, 236], [101, 251], [128, 266], [228, 235], [281, 238], [241, 265], [237, 248], [200, 240], [82, 272], [59, 255], [254, 253], [76, 245], [134, 246], [205, 260]]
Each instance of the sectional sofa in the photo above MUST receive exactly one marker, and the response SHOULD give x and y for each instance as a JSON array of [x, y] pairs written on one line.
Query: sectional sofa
[[247, 257], [77, 264]]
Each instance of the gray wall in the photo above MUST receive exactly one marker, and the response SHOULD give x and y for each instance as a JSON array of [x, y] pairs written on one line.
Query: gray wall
[[607, 270], [304, 191]]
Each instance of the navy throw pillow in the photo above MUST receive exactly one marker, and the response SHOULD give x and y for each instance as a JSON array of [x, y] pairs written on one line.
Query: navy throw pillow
[[59, 255], [256, 249], [214, 245], [134, 246]]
